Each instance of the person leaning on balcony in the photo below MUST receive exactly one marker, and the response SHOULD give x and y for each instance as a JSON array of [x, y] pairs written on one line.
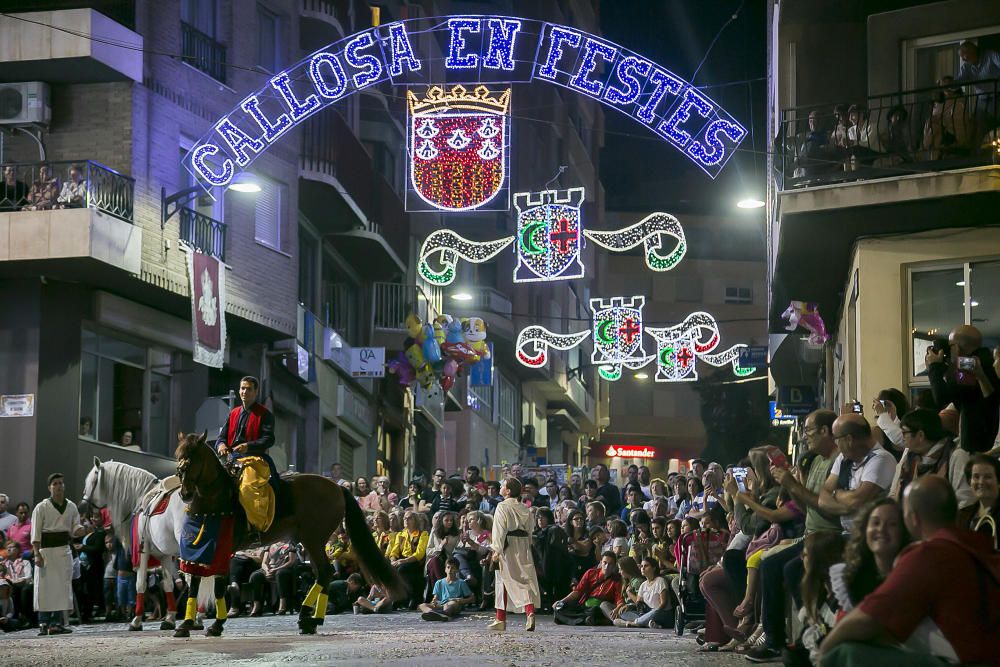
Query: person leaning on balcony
[[13, 193], [74, 191], [975, 393], [44, 191], [978, 64]]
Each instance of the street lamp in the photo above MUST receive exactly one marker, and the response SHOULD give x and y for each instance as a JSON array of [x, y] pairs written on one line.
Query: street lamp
[[750, 203], [169, 205], [462, 295], [642, 376]]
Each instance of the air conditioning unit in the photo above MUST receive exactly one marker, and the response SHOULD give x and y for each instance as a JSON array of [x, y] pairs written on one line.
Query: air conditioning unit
[[25, 103]]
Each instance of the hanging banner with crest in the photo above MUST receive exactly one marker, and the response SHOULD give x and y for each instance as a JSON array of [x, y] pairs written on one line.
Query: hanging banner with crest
[[207, 283]]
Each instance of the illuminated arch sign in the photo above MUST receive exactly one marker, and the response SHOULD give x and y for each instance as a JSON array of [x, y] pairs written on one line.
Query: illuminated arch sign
[[471, 50]]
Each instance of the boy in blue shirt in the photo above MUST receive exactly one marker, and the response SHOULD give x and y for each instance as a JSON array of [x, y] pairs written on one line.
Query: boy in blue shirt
[[450, 595]]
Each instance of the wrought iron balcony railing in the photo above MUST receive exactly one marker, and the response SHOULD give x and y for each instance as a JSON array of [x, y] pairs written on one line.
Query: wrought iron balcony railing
[[203, 233], [908, 132], [202, 52], [40, 186]]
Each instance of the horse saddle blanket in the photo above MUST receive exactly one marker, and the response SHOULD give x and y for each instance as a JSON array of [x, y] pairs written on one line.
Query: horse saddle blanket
[[256, 493], [207, 542], [154, 502]]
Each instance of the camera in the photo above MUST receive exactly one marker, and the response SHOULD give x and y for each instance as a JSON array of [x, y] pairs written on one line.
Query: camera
[[942, 345], [967, 363], [857, 408]]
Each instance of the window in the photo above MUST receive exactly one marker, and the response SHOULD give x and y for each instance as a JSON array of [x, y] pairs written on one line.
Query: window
[[944, 297], [308, 258], [508, 410], [481, 399], [201, 15], [268, 39], [121, 384], [268, 214], [739, 295], [935, 307]]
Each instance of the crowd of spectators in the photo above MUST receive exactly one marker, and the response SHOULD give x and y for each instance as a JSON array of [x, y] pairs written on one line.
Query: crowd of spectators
[[956, 122], [806, 563], [24, 189]]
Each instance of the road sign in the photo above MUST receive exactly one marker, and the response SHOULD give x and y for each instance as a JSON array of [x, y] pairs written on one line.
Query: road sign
[[368, 362], [754, 356], [796, 401]]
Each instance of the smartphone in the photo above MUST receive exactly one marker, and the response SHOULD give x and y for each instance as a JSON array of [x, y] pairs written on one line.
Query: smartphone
[[777, 457], [881, 402], [857, 408], [967, 363], [740, 475]]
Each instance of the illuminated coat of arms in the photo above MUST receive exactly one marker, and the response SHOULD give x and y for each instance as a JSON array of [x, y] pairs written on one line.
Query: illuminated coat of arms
[[618, 335], [549, 234], [458, 149]]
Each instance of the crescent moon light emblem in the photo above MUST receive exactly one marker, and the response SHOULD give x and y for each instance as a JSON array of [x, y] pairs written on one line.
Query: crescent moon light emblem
[[527, 240], [602, 332]]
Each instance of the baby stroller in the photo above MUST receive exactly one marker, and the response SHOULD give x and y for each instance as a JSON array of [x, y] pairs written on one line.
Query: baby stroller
[[690, 563]]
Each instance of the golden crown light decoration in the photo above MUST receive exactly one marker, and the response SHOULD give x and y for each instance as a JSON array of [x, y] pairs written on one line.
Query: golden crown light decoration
[[458, 147]]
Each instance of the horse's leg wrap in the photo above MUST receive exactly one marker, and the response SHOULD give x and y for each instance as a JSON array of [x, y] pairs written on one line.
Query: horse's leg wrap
[[192, 607], [313, 595], [320, 611], [221, 610]]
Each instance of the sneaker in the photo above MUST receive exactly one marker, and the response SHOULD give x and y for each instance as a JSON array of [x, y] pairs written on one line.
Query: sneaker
[[620, 623], [763, 654], [529, 623], [497, 626], [653, 625]]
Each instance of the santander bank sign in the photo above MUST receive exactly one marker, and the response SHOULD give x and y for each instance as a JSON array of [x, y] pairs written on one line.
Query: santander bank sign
[[627, 452]]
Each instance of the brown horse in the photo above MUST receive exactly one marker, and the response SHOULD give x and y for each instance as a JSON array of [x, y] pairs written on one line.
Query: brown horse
[[309, 511]]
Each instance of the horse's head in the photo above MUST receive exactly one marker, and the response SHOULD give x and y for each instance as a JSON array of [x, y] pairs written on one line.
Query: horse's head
[[195, 462], [93, 493]]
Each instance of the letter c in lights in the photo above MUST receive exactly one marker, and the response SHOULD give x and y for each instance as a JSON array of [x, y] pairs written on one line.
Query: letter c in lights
[[200, 163]]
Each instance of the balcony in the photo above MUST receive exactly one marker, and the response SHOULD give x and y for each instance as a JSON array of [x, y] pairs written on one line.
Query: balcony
[[42, 186], [82, 45], [204, 234], [926, 163], [913, 137], [202, 52], [51, 210], [344, 196]]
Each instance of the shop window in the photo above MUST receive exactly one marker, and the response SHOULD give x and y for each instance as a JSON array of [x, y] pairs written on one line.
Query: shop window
[[943, 298]]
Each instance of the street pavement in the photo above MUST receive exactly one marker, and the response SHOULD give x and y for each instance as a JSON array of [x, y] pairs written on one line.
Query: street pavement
[[396, 639]]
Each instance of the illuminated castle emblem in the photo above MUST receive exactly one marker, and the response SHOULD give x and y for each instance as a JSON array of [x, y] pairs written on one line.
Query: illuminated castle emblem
[[618, 335], [549, 233], [457, 147]]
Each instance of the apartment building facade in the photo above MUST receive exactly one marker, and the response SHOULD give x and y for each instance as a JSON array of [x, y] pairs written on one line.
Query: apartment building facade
[[893, 235]]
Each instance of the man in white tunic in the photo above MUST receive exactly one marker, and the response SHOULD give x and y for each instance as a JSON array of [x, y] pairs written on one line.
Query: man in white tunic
[[516, 581], [54, 522]]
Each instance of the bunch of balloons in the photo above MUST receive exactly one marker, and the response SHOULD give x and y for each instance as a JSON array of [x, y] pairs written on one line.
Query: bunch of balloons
[[437, 352]]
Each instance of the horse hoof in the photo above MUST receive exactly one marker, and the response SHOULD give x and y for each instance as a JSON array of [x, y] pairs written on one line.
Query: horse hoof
[[215, 630], [134, 628], [198, 626], [307, 626], [166, 625], [182, 632]]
